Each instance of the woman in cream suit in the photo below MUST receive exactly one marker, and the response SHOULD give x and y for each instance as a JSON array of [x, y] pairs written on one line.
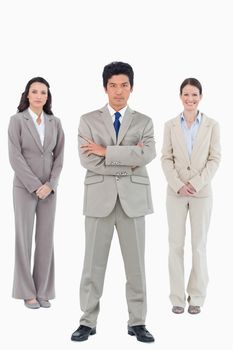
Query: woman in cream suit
[[36, 146], [190, 158]]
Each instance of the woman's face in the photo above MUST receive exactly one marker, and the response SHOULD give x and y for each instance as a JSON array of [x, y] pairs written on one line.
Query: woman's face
[[37, 95], [190, 98]]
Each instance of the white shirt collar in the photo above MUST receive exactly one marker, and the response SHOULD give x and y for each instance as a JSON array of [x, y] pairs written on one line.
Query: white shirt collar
[[35, 116], [112, 111]]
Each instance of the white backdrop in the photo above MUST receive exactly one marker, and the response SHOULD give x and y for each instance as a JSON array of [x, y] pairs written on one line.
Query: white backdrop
[[68, 43]]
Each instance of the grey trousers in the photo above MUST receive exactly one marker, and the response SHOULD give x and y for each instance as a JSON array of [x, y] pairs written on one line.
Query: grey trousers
[[199, 213], [40, 282], [99, 233]]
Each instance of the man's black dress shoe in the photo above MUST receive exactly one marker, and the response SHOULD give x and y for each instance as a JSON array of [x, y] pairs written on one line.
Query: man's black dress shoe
[[82, 333], [141, 333]]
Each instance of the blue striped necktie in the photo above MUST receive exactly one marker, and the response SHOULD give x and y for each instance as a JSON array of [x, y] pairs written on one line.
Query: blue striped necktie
[[117, 123]]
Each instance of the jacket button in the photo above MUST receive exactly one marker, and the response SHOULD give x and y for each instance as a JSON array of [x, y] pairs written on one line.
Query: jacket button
[[188, 168]]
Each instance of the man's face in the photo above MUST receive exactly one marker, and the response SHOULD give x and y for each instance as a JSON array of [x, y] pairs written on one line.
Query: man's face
[[118, 90]]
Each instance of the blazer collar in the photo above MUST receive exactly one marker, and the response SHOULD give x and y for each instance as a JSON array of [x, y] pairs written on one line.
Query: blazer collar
[[31, 126], [107, 118], [180, 136], [48, 130], [201, 135], [203, 128], [108, 122], [128, 117]]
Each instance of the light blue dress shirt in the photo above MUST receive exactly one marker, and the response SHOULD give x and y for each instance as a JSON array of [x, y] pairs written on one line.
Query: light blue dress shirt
[[190, 133]]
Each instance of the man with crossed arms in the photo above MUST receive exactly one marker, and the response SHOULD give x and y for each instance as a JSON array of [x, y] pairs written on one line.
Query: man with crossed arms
[[115, 144]]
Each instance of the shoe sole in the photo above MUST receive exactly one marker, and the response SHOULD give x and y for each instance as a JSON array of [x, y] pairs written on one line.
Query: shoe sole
[[32, 307], [45, 307], [194, 313], [178, 312], [142, 341], [93, 332]]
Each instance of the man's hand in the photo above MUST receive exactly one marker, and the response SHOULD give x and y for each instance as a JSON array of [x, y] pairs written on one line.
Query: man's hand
[[187, 190], [93, 148], [43, 191]]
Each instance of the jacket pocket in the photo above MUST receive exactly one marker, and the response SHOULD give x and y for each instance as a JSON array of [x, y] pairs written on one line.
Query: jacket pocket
[[140, 179], [93, 179]]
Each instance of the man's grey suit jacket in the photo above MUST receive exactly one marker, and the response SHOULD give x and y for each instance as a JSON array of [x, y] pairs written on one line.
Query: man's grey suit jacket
[[123, 171]]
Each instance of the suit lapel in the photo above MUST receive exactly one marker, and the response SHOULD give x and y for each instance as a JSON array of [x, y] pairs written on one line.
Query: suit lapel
[[48, 119], [108, 123], [180, 137], [203, 129], [127, 119], [31, 127]]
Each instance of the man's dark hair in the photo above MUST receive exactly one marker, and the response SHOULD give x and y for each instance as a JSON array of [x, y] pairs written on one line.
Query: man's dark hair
[[193, 82], [116, 68]]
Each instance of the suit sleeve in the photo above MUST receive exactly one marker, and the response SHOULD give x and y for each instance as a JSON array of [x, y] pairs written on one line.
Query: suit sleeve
[[17, 161], [58, 154], [95, 163], [134, 155], [212, 163], [167, 160]]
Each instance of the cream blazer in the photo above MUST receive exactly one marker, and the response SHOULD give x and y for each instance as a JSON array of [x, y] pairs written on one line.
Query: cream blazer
[[198, 169]]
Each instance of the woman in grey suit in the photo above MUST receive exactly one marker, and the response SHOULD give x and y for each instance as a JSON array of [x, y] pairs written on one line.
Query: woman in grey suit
[[36, 147], [190, 158]]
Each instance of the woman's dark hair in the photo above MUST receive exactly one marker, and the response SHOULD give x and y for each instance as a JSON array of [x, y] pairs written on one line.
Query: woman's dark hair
[[24, 103], [193, 82], [116, 68]]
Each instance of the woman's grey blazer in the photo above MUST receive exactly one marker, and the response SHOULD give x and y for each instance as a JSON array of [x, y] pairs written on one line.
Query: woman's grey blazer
[[34, 164]]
